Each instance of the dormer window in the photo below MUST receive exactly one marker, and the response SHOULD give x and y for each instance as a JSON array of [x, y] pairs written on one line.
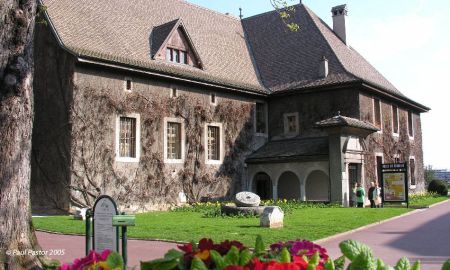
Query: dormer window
[[171, 42], [176, 56]]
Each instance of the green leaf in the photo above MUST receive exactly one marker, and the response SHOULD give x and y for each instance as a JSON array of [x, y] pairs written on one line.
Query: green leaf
[[329, 265], [285, 255], [198, 264], [173, 254], [314, 261], [446, 265], [416, 266], [339, 263], [382, 266], [114, 260], [232, 257], [364, 261], [403, 264], [170, 261], [159, 264], [351, 249], [259, 245], [217, 259], [245, 257]]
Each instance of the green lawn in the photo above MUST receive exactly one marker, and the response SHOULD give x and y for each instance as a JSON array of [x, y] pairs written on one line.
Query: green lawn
[[312, 224], [427, 200]]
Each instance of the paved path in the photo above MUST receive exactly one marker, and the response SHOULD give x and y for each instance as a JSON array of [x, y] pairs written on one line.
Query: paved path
[[424, 235], [73, 247]]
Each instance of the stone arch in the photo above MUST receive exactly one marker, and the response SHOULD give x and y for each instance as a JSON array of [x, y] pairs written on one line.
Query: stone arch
[[262, 185], [288, 186], [317, 186]]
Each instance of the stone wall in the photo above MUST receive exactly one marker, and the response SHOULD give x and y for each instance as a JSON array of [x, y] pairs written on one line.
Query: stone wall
[[152, 182], [391, 146], [311, 107], [50, 175]]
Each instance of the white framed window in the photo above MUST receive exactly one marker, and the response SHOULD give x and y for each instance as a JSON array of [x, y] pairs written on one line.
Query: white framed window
[[128, 84], [377, 115], [174, 140], [213, 143], [213, 98], [260, 116], [412, 172], [291, 123], [173, 92], [128, 138], [395, 121], [177, 56], [410, 125]]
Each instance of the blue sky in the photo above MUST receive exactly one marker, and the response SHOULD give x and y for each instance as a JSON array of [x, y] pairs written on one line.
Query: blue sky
[[408, 41]]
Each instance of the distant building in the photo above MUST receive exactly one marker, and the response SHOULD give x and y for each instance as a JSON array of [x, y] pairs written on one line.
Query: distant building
[[443, 175], [150, 100]]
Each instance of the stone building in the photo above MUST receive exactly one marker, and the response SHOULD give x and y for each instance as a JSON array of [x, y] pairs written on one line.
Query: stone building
[[151, 101]]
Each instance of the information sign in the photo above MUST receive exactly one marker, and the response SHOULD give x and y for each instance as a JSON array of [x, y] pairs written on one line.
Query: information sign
[[105, 234]]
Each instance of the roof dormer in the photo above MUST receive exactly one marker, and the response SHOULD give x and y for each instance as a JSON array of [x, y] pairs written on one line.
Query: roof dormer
[[171, 42]]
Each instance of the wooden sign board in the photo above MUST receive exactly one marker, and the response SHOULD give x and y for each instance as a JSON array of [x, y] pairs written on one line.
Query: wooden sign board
[[105, 234]]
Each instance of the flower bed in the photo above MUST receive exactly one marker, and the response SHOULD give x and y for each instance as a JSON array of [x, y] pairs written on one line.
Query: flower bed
[[233, 255]]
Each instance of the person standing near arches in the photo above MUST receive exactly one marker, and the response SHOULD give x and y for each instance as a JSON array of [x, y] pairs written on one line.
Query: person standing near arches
[[360, 195], [372, 194]]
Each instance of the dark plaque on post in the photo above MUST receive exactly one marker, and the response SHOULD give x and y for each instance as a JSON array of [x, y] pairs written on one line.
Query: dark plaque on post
[[105, 234], [395, 182]]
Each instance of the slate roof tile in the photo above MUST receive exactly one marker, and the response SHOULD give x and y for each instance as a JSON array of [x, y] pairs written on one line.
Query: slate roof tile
[[291, 149]]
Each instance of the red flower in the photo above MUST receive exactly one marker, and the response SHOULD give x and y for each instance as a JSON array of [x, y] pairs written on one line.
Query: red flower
[[205, 244], [186, 248]]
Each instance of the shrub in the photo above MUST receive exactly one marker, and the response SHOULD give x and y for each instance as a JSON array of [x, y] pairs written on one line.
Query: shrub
[[438, 186]]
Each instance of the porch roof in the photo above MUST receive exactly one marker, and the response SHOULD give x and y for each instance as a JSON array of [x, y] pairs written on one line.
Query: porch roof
[[297, 149]]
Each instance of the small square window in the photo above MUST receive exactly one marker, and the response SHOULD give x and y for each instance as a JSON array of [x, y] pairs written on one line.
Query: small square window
[[128, 84], [173, 92], [291, 123], [213, 99]]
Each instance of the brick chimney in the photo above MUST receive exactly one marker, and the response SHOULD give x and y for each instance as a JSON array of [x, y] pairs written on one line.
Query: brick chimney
[[340, 22]]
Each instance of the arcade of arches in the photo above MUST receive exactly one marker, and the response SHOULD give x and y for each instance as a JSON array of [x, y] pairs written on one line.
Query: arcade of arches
[[314, 186]]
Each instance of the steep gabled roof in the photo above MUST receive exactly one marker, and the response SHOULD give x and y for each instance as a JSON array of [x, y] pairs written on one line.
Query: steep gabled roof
[[162, 33], [290, 60], [119, 31]]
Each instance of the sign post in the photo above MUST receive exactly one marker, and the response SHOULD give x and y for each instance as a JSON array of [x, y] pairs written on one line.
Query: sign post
[[123, 221], [395, 183], [105, 234]]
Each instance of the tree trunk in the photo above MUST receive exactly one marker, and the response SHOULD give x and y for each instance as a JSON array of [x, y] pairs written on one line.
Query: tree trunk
[[16, 121]]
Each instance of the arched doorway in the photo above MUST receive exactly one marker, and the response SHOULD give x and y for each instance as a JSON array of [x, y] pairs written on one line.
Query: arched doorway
[[288, 186], [317, 187], [262, 185]]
